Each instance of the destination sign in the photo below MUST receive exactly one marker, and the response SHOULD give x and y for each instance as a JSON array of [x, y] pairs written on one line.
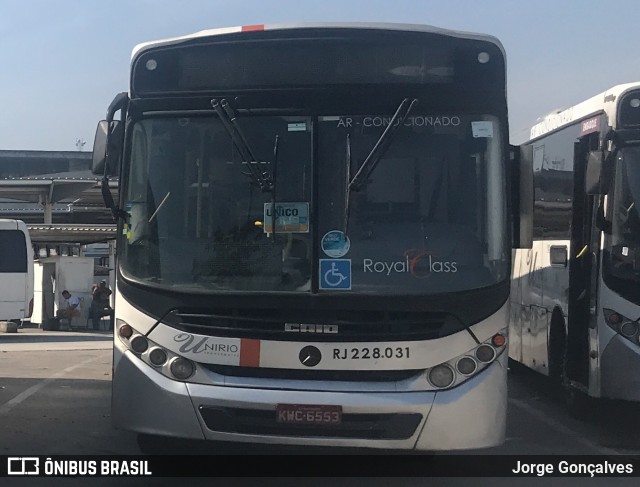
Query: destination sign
[[589, 126]]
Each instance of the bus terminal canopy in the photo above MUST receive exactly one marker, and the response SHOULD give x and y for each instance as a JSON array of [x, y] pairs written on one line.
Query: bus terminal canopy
[[52, 190], [34, 196], [46, 191]]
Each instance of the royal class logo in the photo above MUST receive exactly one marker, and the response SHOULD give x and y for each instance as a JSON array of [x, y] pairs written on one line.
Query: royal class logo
[[419, 263]]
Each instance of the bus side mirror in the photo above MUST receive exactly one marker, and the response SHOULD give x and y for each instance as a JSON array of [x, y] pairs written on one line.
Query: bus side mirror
[[522, 196], [107, 147], [597, 179], [593, 174]]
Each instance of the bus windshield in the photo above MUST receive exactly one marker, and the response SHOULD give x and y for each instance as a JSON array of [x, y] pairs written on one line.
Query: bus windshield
[[197, 214], [622, 253], [422, 224]]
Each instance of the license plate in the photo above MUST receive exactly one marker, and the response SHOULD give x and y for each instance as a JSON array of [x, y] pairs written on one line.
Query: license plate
[[306, 414]]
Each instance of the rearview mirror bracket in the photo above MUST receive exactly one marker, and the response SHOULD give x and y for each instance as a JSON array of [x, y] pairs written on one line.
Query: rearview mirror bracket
[[107, 149]]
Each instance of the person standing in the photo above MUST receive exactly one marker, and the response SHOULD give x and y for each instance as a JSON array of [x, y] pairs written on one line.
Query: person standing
[[100, 305]]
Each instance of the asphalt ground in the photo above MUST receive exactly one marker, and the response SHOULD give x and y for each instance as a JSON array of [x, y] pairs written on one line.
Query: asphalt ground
[[55, 392]]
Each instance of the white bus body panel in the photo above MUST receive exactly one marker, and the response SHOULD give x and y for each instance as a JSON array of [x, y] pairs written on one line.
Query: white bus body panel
[[605, 101], [138, 49], [16, 288], [472, 415], [538, 288], [615, 371]]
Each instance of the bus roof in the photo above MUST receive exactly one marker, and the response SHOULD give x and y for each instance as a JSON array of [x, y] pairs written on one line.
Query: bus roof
[[602, 102], [323, 25]]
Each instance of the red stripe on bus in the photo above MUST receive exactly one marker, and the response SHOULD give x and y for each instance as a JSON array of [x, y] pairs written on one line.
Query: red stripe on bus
[[249, 28], [249, 352]]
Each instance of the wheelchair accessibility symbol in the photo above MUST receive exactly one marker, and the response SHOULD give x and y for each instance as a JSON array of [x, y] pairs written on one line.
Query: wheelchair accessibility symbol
[[335, 274]]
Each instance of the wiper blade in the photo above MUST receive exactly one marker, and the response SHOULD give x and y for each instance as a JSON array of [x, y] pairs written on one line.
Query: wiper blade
[[230, 123], [276, 145], [361, 178], [345, 222], [264, 179]]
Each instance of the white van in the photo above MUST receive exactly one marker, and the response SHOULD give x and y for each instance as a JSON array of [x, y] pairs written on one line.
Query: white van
[[16, 271]]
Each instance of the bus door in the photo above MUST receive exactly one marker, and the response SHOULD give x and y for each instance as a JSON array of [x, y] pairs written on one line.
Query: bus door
[[584, 249], [517, 307], [534, 320]]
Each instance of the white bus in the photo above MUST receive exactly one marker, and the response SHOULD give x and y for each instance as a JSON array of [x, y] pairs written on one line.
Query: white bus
[[16, 271], [316, 237], [576, 293]]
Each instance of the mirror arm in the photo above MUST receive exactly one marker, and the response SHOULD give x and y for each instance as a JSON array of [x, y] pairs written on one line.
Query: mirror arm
[[116, 211], [603, 225], [609, 151], [120, 102]]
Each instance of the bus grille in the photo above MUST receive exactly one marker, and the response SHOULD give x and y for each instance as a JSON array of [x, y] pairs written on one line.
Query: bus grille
[[317, 375], [396, 426], [353, 326]]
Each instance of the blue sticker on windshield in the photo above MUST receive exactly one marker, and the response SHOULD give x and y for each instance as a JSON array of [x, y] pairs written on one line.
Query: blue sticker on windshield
[[335, 243], [335, 274]]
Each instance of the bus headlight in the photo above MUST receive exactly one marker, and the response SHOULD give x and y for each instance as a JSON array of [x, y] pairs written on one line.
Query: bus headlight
[[125, 331], [485, 353], [181, 368], [628, 329], [165, 361], [139, 344], [442, 376], [462, 368], [622, 325], [157, 356], [466, 366]]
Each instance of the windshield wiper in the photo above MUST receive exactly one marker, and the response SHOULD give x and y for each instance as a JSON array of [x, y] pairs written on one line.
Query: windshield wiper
[[361, 179], [345, 223], [164, 200], [276, 144], [230, 123]]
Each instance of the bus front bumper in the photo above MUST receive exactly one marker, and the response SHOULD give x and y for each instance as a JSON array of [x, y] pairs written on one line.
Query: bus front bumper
[[472, 415], [620, 370]]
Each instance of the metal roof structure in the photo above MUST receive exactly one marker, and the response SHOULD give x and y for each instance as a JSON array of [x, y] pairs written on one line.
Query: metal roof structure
[[54, 190], [56, 195], [37, 198]]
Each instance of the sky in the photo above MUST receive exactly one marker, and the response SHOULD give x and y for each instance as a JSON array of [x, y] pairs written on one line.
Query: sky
[[62, 61]]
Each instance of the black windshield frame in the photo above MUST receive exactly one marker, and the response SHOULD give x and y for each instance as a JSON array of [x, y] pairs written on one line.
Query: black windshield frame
[[621, 253], [317, 253], [248, 226], [473, 91], [456, 62]]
